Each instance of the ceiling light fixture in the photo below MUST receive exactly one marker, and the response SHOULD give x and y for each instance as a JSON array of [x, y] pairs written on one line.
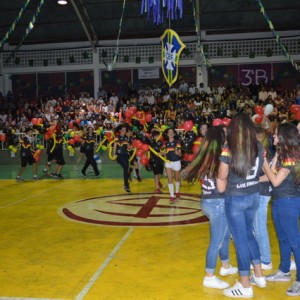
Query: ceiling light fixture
[[62, 2]]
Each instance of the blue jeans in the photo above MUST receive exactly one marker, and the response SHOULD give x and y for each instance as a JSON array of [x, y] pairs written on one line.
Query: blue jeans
[[261, 229], [286, 213], [214, 209], [240, 212]]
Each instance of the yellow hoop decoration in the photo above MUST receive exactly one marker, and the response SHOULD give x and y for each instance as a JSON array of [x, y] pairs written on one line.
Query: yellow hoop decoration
[[98, 149], [157, 154], [133, 154], [54, 144], [110, 151], [160, 135]]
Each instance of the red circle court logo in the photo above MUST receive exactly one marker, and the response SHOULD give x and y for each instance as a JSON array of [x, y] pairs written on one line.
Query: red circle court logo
[[146, 209]]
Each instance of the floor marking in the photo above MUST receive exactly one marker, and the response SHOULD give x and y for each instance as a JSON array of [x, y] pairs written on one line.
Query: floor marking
[[111, 255], [20, 298], [24, 199]]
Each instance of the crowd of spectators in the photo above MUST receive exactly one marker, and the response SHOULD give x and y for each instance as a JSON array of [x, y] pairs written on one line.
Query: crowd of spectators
[[167, 105]]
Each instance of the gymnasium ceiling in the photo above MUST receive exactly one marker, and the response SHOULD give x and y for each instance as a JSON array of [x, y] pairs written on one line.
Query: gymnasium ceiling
[[101, 18]]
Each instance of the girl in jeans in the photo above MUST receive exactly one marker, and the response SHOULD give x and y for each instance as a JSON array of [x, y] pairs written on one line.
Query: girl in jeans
[[240, 166], [284, 175], [205, 168], [260, 221]]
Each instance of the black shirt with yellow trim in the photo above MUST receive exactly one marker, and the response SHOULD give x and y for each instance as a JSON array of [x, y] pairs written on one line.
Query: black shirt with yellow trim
[[288, 188], [237, 186]]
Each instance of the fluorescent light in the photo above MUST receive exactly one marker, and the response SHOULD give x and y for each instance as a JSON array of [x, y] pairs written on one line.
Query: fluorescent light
[[62, 2]]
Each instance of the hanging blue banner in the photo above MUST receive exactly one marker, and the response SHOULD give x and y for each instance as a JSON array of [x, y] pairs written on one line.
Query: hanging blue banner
[[171, 49]]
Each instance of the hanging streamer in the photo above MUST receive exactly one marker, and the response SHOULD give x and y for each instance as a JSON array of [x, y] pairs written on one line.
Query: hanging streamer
[[276, 36], [198, 32], [114, 61], [12, 27], [28, 29], [174, 10]]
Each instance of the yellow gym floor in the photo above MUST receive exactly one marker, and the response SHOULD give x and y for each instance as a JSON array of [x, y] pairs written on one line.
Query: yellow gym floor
[[88, 239]]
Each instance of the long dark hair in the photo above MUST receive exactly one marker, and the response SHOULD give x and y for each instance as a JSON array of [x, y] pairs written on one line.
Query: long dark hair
[[242, 143], [289, 146], [207, 160]]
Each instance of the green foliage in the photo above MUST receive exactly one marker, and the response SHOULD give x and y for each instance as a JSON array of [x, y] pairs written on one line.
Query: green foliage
[[252, 54], [269, 52], [71, 59], [85, 55], [235, 53], [219, 52]]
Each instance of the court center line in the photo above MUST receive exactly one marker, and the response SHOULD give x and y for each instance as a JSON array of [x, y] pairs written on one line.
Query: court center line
[[111, 255]]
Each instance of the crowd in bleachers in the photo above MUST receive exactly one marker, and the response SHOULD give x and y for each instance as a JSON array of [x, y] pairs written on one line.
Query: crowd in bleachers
[[166, 105]]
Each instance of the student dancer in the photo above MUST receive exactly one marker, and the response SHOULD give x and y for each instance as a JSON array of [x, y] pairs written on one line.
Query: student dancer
[[134, 162], [205, 168], [173, 166], [88, 145], [156, 163], [50, 158], [238, 177], [26, 153], [121, 148], [77, 131], [284, 175], [58, 154]]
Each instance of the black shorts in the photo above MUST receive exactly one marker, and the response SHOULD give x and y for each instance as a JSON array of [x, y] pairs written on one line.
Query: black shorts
[[27, 160], [158, 169], [82, 149], [50, 157], [58, 156]]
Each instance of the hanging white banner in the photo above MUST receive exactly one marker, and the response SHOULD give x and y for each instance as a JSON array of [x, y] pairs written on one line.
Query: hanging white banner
[[148, 73]]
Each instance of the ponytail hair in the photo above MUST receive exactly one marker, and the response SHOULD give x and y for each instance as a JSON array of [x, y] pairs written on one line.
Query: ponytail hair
[[206, 162]]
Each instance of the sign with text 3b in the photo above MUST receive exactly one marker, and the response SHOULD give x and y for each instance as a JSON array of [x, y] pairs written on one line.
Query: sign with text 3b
[[254, 74]]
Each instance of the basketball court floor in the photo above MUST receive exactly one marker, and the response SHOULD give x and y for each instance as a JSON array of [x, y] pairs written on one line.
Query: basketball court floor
[[77, 238]]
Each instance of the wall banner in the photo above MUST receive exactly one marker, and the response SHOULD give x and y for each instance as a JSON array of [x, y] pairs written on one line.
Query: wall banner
[[148, 73]]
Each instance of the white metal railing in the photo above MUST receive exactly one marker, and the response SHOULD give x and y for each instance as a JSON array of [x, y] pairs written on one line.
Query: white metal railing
[[84, 56]]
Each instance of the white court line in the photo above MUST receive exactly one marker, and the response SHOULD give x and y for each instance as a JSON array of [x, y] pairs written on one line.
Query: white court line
[[20, 298], [111, 255], [24, 199]]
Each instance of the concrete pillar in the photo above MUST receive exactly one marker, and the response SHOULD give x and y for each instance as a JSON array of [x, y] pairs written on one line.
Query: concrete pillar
[[96, 67], [7, 84], [202, 75]]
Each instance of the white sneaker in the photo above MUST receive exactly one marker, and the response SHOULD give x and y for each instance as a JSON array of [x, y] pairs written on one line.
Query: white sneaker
[[263, 266], [215, 283], [229, 271], [266, 266], [294, 290], [258, 281], [238, 291], [279, 276], [293, 266]]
